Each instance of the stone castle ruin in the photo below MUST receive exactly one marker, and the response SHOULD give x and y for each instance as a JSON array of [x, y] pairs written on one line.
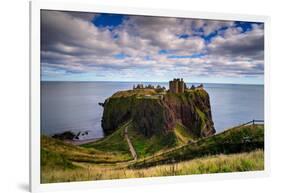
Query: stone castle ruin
[[177, 86]]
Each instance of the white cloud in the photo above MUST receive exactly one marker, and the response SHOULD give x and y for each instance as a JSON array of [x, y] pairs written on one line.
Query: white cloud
[[234, 44], [72, 44]]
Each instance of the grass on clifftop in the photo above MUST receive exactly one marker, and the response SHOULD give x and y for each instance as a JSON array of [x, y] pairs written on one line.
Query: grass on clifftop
[[252, 161], [147, 91], [136, 92]]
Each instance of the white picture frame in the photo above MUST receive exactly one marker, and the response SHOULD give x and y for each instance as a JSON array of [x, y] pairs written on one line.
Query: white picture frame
[[36, 6]]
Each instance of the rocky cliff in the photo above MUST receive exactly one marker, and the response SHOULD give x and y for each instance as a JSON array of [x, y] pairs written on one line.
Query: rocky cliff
[[154, 113]]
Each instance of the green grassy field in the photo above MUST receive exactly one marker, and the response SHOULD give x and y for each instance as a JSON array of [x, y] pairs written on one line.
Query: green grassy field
[[252, 161], [176, 153]]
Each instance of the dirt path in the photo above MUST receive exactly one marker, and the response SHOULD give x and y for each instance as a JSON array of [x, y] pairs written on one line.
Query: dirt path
[[131, 147]]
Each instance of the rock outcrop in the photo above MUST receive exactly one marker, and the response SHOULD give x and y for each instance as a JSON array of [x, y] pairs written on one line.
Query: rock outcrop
[[153, 113], [67, 135]]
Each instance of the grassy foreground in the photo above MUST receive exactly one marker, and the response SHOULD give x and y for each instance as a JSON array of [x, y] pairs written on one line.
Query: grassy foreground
[[177, 153], [240, 162]]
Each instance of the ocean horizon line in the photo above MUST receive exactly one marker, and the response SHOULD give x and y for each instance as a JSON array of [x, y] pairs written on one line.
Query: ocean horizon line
[[101, 81]]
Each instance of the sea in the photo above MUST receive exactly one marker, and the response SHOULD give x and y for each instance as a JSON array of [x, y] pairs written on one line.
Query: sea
[[73, 106]]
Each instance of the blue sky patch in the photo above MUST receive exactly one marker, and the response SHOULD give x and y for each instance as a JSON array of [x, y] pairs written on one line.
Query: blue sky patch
[[213, 34], [198, 55], [164, 52], [120, 56], [246, 26], [108, 20]]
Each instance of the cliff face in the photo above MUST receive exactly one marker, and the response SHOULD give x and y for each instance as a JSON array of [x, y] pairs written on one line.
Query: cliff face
[[193, 110], [153, 113]]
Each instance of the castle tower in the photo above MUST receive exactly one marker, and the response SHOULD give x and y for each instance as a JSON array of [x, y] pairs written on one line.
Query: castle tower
[[177, 86], [171, 86], [181, 86]]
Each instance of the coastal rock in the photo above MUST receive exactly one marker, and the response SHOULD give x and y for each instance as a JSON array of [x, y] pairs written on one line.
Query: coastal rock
[[67, 135], [154, 114]]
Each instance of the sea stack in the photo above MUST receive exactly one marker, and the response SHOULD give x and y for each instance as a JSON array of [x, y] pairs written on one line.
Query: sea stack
[[157, 112]]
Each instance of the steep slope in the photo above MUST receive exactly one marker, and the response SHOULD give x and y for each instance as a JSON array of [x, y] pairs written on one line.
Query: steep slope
[[148, 146]]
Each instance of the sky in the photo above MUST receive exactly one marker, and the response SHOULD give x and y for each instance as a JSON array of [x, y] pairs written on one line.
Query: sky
[[79, 46]]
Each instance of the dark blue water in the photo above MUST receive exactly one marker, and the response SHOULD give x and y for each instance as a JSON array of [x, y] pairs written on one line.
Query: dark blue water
[[74, 105]]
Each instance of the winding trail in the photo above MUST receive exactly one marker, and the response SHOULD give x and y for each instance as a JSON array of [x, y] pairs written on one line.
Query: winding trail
[[131, 147]]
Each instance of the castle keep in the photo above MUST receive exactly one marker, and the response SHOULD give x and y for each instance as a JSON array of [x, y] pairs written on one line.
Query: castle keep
[[177, 86]]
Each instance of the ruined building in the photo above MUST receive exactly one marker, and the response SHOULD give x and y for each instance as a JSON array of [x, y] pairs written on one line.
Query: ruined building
[[177, 86]]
